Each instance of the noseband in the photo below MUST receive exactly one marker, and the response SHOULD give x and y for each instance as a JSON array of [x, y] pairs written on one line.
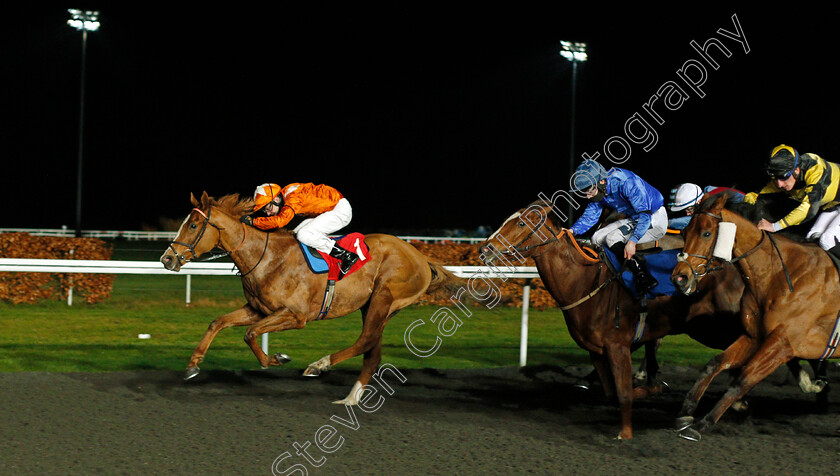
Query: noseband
[[705, 266], [191, 246]]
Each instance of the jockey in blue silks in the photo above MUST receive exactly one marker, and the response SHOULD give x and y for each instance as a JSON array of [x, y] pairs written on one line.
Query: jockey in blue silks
[[628, 194]]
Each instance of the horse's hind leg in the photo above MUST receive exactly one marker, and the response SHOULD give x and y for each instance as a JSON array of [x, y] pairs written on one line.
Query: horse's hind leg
[[243, 316], [371, 362], [649, 367], [378, 313]]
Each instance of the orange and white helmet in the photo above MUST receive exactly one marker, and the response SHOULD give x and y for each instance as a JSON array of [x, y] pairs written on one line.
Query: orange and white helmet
[[264, 194]]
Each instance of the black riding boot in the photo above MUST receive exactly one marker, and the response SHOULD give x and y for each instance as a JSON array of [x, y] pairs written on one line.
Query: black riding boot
[[347, 258], [644, 281]]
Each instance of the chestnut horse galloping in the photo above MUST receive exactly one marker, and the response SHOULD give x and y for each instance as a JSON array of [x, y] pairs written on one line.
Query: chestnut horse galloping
[[600, 312], [794, 295], [282, 293]]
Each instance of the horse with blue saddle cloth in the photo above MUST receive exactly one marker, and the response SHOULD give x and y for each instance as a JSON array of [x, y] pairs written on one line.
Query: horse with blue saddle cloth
[[659, 264]]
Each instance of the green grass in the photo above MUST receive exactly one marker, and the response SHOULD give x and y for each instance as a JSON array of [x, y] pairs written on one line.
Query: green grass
[[102, 337]]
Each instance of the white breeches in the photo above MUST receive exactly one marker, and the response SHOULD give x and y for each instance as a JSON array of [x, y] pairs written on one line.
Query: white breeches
[[620, 231], [313, 231], [827, 229]]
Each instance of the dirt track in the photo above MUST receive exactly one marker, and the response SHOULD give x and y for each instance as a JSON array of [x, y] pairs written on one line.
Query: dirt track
[[501, 421]]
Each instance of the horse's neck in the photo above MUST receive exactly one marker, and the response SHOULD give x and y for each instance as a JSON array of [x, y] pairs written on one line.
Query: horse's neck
[[565, 273], [755, 267], [248, 246], [232, 233]]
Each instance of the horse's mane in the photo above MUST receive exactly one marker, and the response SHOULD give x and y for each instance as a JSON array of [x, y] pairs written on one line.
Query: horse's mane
[[234, 204], [751, 212]]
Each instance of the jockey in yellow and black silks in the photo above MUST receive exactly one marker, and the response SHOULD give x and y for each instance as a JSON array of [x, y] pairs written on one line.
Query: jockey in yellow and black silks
[[813, 182]]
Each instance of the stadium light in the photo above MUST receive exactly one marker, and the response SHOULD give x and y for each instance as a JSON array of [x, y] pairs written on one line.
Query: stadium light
[[576, 53], [84, 21]]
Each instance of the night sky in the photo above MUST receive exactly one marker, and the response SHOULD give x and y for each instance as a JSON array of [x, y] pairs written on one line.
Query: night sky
[[424, 117]]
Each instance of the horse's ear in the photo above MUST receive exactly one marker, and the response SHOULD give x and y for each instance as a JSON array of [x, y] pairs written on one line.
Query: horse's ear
[[720, 201], [205, 200], [193, 200]]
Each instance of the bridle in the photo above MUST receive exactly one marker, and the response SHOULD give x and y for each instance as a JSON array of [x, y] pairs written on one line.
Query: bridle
[[182, 259], [709, 258], [587, 253], [543, 222]]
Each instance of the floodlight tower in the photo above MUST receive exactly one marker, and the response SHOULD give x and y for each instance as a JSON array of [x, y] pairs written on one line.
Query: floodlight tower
[[84, 21], [576, 53]]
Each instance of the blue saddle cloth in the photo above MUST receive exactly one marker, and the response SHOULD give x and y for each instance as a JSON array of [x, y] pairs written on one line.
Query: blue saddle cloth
[[316, 262], [660, 265]]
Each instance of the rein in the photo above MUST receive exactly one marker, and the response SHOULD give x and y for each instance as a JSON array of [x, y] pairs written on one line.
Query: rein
[[587, 253], [191, 246], [590, 255]]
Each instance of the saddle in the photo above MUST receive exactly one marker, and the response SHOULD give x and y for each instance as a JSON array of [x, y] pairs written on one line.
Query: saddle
[[660, 264], [320, 263]]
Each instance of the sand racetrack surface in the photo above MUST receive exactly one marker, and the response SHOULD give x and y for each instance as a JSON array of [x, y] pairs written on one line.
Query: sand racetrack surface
[[499, 421]]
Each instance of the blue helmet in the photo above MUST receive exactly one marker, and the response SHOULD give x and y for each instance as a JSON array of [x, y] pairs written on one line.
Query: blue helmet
[[587, 175]]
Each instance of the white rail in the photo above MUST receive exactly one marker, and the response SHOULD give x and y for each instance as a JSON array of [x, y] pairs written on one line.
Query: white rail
[[19, 265], [170, 235]]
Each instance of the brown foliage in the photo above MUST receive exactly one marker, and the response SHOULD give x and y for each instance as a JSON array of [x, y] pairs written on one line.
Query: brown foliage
[[32, 287], [464, 254]]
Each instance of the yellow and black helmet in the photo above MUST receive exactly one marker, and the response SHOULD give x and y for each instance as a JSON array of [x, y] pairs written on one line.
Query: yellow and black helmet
[[783, 160]]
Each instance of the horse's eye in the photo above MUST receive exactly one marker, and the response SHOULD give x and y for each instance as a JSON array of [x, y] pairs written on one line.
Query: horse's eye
[[521, 224], [707, 234], [193, 226]]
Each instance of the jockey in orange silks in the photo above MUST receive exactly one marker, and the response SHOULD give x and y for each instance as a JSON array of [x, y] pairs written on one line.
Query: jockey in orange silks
[[326, 208]]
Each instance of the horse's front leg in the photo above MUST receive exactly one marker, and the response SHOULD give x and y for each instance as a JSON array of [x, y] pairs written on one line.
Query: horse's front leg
[[602, 368], [734, 356], [775, 351], [243, 316], [621, 366], [281, 320]]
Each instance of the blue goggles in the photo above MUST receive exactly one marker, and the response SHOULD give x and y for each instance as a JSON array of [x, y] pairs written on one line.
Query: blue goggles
[[778, 175]]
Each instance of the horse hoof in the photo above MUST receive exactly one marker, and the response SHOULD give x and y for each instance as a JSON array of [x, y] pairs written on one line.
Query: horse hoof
[[191, 373], [312, 372], [683, 422], [741, 406], [282, 359], [690, 434]]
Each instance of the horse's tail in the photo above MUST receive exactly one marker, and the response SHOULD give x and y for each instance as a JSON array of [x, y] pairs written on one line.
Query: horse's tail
[[444, 280]]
